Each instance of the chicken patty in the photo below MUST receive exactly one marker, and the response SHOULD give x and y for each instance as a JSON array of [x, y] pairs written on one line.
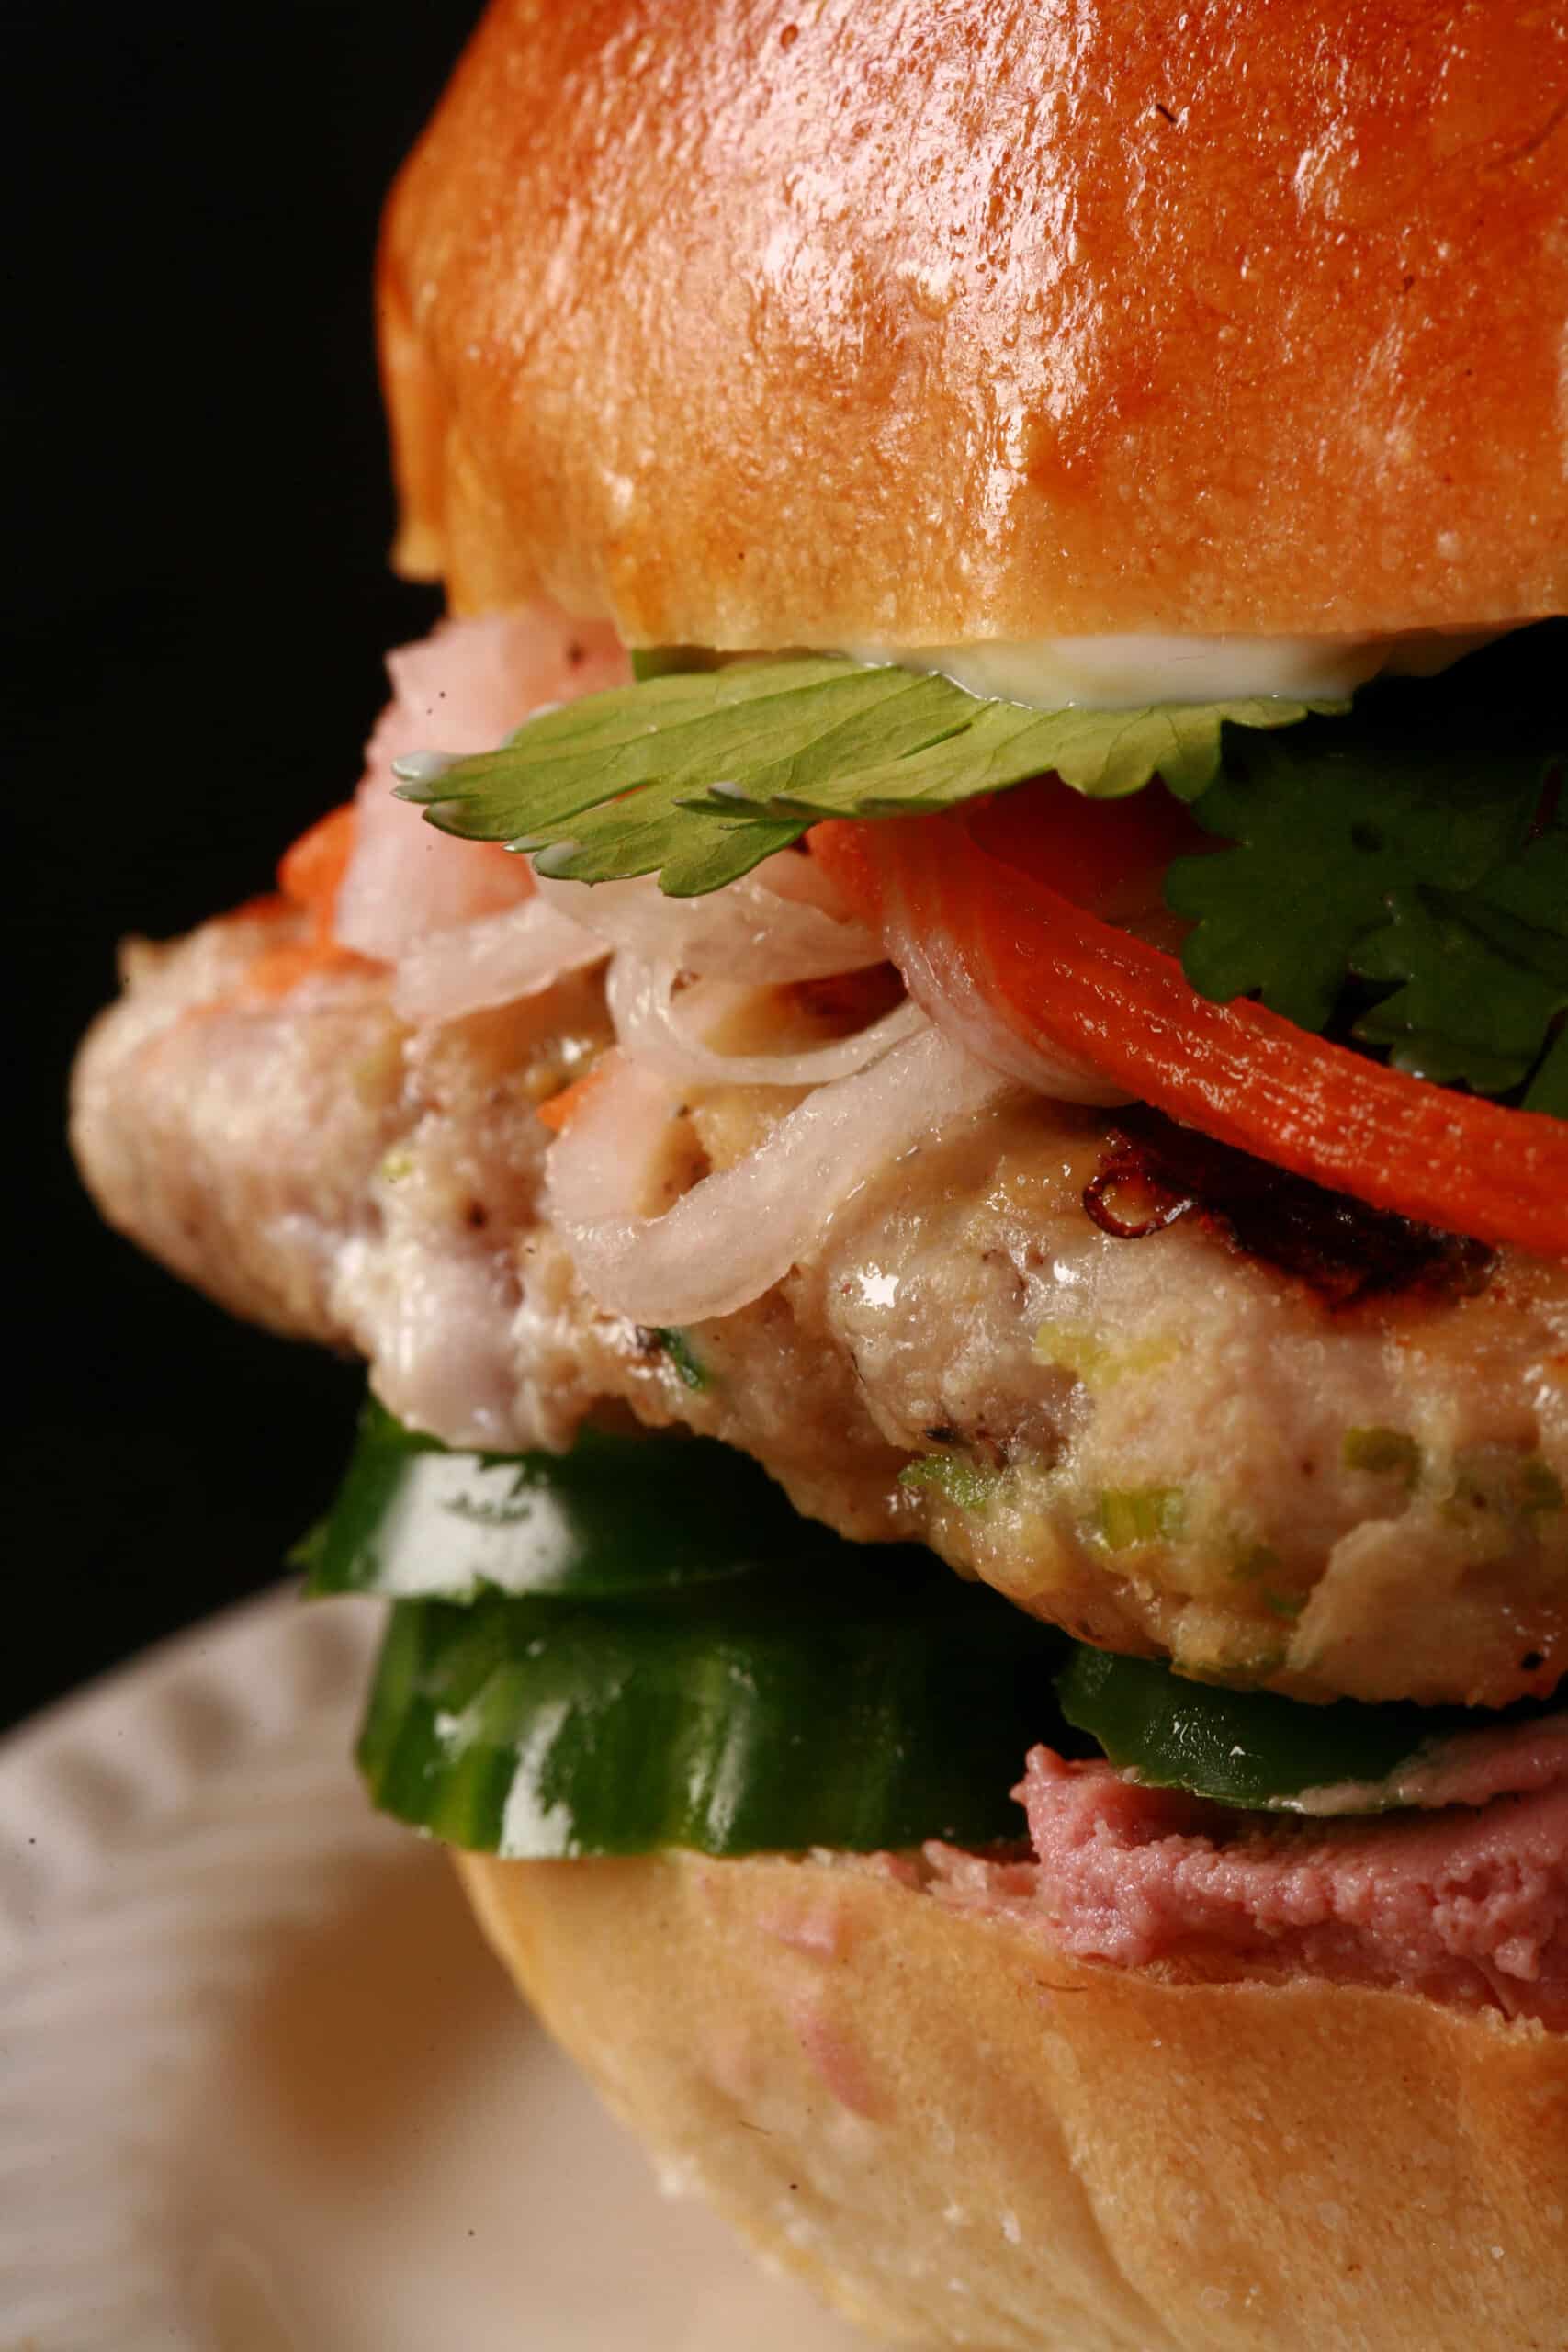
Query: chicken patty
[[1162, 1432]]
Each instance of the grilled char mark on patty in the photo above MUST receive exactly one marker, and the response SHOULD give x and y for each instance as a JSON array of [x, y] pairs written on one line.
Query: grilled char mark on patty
[[1154, 1171], [1281, 1473]]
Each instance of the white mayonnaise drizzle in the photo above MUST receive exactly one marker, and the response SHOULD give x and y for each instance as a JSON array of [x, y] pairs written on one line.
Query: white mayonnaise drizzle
[[1125, 672]]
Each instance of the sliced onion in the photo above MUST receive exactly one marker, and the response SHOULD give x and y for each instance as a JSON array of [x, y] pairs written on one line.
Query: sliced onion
[[736, 1234], [806, 879], [464, 686], [491, 962], [668, 1035], [936, 978], [745, 932], [405, 882]]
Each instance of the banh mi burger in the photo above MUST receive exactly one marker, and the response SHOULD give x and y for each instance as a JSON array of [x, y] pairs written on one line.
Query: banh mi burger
[[929, 1068]]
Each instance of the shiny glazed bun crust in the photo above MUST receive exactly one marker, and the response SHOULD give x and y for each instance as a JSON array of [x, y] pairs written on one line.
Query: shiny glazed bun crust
[[751, 323], [963, 2137]]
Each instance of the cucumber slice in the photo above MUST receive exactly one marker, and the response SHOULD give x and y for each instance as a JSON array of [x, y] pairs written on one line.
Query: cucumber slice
[[1251, 1748], [616, 1516], [870, 1707], [640, 1643]]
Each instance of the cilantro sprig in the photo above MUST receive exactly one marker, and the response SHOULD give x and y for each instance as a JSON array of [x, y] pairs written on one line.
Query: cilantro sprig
[[1482, 979], [1401, 876], [697, 776]]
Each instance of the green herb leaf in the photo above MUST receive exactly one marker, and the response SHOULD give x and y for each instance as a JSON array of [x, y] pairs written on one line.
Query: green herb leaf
[[967, 1484], [1548, 1090], [1410, 849], [674, 1342], [1383, 1453], [1483, 975], [1327, 823], [1130, 1515], [699, 775], [666, 660]]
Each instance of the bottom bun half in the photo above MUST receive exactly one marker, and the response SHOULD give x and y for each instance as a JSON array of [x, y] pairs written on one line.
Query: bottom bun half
[[960, 2136]]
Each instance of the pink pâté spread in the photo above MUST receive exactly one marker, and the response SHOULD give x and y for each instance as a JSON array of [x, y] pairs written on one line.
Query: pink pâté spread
[[1468, 1904]]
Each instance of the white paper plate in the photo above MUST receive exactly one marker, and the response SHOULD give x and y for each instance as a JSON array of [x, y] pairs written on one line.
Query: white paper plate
[[261, 2088]]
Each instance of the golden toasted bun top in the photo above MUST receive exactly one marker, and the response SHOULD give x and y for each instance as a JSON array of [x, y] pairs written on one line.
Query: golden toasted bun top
[[751, 323]]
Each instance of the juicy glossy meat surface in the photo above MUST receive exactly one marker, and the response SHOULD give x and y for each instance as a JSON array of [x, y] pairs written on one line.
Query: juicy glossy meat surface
[[1167, 1443]]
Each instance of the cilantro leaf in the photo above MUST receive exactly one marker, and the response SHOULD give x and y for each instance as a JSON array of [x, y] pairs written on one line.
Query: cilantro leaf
[[1403, 874], [1104, 754], [1548, 1090], [1483, 977], [700, 774], [1330, 823]]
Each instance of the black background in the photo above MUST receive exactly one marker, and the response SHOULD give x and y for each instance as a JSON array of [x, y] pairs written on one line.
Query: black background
[[195, 604]]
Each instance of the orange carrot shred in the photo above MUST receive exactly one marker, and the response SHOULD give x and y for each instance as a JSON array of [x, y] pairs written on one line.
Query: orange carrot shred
[[311, 872], [558, 1112]]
